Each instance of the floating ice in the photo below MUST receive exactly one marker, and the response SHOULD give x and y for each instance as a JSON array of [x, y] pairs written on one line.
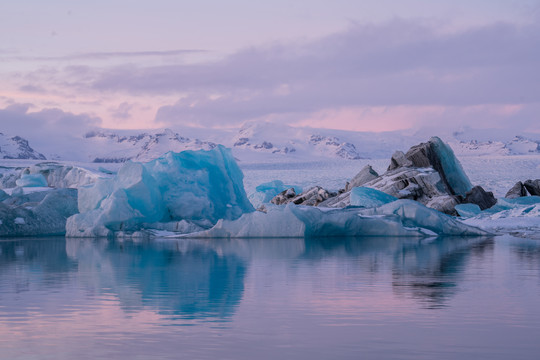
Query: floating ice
[[398, 218], [368, 197], [194, 186]]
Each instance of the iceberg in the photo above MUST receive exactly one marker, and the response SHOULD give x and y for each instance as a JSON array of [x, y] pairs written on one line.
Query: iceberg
[[398, 218], [195, 186]]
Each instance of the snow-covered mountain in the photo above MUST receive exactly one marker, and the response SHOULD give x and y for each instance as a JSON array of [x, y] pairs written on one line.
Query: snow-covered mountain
[[109, 146], [264, 141], [519, 145], [16, 147], [281, 139]]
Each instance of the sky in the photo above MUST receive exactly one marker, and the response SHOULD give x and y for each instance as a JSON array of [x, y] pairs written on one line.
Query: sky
[[67, 66]]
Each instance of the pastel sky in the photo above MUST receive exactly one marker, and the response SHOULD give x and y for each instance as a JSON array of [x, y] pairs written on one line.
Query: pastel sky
[[346, 64]]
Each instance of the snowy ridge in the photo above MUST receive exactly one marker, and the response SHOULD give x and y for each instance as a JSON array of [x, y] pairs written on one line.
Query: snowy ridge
[[265, 141], [108, 146], [519, 145], [17, 147]]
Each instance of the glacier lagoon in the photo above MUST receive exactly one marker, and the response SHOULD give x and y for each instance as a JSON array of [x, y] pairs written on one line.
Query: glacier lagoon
[[388, 298]]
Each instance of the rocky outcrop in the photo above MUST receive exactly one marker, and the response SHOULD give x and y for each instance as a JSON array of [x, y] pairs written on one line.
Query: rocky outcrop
[[480, 197], [428, 173], [284, 197], [311, 197], [533, 186], [439, 156], [365, 175], [518, 190]]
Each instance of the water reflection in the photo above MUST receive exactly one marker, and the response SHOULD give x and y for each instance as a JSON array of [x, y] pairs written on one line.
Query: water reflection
[[380, 297], [178, 279], [198, 279]]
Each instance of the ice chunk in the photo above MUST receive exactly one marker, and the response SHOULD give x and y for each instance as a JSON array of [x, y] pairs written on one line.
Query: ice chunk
[[468, 210], [398, 218], [192, 185], [38, 213], [368, 197], [59, 175], [519, 216], [414, 214], [32, 180], [451, 167]]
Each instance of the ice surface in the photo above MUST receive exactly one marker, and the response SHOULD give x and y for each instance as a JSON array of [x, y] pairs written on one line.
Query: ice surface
[[455, 175], [467, 210], [368, 197], [195, 186], [32, 180], [398, 218]]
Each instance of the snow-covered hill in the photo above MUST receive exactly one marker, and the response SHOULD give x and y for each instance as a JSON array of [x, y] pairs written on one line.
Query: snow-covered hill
[[16, 147]]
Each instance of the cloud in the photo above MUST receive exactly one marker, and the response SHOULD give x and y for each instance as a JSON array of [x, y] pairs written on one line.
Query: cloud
[[50, 129], [103, 55], [400, 63]]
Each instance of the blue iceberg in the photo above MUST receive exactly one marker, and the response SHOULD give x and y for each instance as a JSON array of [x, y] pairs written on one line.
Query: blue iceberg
[[199, 186]]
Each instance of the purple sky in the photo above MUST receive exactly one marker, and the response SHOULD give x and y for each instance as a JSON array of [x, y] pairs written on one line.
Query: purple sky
[[371, 65]]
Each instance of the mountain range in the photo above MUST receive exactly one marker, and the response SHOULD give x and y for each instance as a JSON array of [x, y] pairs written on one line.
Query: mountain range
[[264, 141]]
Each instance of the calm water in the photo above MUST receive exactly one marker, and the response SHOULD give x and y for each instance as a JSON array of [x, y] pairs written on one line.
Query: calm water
[[374, 298]]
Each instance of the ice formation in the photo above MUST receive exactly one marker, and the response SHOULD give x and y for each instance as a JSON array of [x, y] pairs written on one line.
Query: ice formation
[[32, 180], [519, 216], [196, 186], [36, 213], [368, 197], [398, 218]]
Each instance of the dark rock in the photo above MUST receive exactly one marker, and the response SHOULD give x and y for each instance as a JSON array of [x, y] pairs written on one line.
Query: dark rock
[[518, 190], [365, 175], [311, 197], [533, 187], [399, 160], [284, 197], [429, 155], [480, 197]]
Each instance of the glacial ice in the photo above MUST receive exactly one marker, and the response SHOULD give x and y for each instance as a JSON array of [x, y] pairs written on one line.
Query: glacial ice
[[453, 171], [32, 180], [368, 197], [467, 210], [398, 218], [195, 186], [59, 175], [519, 216]]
